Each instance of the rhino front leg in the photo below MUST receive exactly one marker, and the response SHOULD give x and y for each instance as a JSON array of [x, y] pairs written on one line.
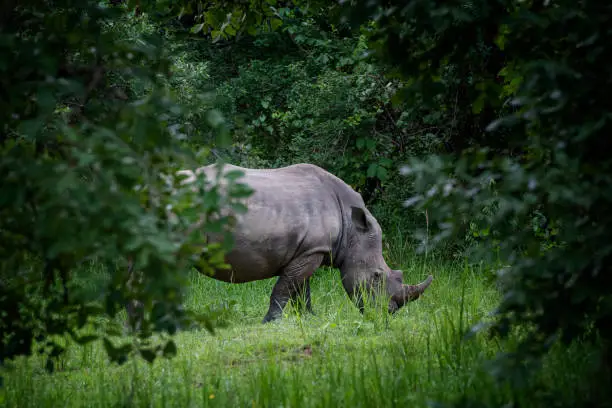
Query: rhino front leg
[[293, 282]]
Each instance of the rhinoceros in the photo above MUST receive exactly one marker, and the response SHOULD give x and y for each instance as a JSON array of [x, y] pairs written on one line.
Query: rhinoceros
[[299, 218]]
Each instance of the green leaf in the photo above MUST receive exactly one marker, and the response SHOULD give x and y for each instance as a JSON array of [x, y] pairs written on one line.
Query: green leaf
[[386, 162], [223, 136], [252, 30], [56, 350], [170, 349], [85, 339], [215, 226], [230, 30], [46, 100], [372, 170], [216, 35], [381, 173], [239, 208], [208, 324], [478, 104], [240, 190], [49, 365], [148, 354], [31, 127], [214, 118], [275, 23], [233, 175], [117, 354], [197, 28]]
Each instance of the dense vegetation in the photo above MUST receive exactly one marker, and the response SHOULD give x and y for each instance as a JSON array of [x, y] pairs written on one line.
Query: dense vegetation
[[475, 131]]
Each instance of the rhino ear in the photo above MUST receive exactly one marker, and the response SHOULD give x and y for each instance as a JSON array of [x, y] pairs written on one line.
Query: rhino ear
[[358, 216]]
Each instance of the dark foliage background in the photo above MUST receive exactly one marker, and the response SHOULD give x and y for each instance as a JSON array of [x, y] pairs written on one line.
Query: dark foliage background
[[486, 119]]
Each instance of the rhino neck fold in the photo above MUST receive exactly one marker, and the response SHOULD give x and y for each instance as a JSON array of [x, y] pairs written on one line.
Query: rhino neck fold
[[337, 259]]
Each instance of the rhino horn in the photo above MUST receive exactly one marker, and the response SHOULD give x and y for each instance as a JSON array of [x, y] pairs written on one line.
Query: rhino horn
[[412, 292]]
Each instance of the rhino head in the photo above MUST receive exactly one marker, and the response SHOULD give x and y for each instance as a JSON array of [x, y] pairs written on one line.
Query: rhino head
[[363, 265]]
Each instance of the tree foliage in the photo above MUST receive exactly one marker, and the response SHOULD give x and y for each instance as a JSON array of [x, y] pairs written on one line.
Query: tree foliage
[[538, 166], [86, 174], [499, 109], [308, 92]]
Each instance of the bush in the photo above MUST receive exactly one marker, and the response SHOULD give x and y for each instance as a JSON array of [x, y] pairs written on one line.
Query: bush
[[89, 129], [531, 182]]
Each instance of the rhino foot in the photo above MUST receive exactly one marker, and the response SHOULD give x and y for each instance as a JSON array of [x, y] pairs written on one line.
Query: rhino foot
[[270, 317]]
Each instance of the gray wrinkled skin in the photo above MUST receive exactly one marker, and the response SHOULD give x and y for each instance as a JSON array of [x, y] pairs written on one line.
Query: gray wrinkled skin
[[299, 218]]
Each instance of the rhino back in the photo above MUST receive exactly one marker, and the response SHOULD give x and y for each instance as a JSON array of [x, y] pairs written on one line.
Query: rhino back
[[294, 211]]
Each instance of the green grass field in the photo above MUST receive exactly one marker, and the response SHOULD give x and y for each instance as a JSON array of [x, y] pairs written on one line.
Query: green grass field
[[336, 358]]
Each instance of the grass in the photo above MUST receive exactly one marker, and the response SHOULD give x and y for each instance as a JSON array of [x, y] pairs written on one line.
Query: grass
[[336, 358]]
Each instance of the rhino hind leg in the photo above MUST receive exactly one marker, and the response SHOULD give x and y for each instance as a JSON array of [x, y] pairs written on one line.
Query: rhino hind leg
[[292, 284]]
